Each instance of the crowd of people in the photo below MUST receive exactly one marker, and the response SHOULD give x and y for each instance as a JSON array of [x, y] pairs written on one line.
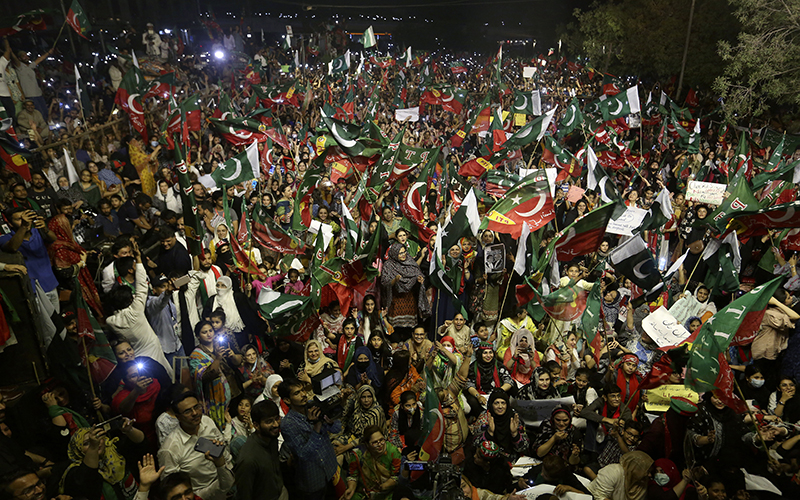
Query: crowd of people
[[189, 383]]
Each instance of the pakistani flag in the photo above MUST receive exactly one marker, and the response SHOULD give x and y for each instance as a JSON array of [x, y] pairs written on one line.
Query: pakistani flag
[[529, 202], [368, 38], [659, 212], [598, 180], [385, 165], [724, 265], [273, 305], [527, 103], [573, 118], [533, 131], [82, 93], [350, 231], [192, 224], [622, 104], [346, 135], [634, 260], [405, 59], [78, 20], [735, 323], [694, 139], [340, 64], [242, 167]]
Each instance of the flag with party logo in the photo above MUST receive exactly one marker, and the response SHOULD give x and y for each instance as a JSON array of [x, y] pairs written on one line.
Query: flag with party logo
[[78, 20], [527, 202]]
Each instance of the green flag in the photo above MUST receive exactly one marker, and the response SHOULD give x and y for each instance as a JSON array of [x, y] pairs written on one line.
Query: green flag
[[368, 38], [242, 167], [78, 20], [572, 119], [192, 224]]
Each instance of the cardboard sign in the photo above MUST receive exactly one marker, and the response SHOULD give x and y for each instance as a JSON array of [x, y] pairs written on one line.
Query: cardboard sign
[[574, 194], [706, 192], [658, 398], [411, 113], [631, 219], [494, 258], [528, 71], [664, 329], [546, 489], [532, 412], [520, 120]]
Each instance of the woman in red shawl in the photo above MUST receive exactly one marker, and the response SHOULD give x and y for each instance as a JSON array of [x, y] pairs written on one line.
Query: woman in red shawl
[[137, 400], [628, 381], [69, 260]]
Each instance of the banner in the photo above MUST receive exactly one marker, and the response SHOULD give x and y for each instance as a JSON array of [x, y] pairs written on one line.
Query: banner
[[528, 71], [664, 329], [533, 412], [706, 192], [630, 220], [658, 398]]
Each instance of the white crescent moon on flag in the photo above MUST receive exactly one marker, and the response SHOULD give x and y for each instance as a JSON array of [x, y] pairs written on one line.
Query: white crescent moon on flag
[[452, 96], [409, 196], [286, 306], [131, 104], [240, 136], [341, 140], [269, 157], [539, 204], [619, 109], [527, 131], [237, 172], [637, 270], [74, 20], [524, 103], [571, 118], [570, 234], [789, 215]]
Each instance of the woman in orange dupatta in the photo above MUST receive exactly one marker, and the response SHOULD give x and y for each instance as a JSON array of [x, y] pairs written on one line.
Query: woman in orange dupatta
[[65, 253], [141, 161]]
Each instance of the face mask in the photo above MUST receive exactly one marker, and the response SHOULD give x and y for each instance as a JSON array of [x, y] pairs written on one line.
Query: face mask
[[757, 383], [661, 479], [362, 365], [154, 143]]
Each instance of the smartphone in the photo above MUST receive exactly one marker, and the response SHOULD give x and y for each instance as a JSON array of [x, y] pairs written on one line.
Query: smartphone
[[416, 465], [206, 445], [182, 280], [255, 184], [111, 424], [476, 341]]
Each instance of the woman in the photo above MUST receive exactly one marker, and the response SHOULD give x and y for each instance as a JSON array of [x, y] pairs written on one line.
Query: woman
[[72, 193], [557, 436], [221, 234], [137, 400], [502, 425], [142, 162], [540, 387], [521, 357], [364, 370], [404, 295], [225, 299], [566, 354], [284, 207], [374, 468], [370, 319], [69, 261], [212, 372], [485, 300], [379, 348], [166, 199], [254, 371], [91, 191], [755, 392], [362, 411], [445, 362], [698, 304], [418, 347], [314, 362], [286, 358], [628, 380], [715, 431], [458, 330], [474, 493], [271, 393], [626, 480], [668, 483], [581, 207], [401, 377], [783, 403], [692, 324], [242, 425], [485, 375], [405, 428]]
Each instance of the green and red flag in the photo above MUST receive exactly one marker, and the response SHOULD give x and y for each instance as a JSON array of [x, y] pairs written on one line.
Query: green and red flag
[[759, 222], [272, 236], [555, 155], [242, 259], [564, 304], [478, 120], [498, 182], [450, 98], [33, 20], [457, 67], [301, 216], [413, 202], [612, 85], [78, 20], [527, 202], [163, 86], [129, 99], [582, 237], [621, 104], [433, 425], [192, 223], [385, 165]]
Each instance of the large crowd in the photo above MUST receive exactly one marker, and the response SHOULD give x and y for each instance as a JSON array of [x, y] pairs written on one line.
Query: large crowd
[[323, 329]]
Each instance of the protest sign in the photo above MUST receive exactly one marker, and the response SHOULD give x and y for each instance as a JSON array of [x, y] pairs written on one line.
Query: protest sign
[[664, 329], [658, 398], [520, 119], [631, 219], [706, 192], [574, 194], [494, 258], [411, 113], [528, 71], [532, 412]]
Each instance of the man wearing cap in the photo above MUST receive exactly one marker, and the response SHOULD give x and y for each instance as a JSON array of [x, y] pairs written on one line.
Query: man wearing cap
[[258, 468], [151, 41], [487, 470]]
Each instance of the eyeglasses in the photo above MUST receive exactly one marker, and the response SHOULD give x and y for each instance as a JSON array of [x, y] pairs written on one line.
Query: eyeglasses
[[188, 412], [378, 442], [31, 490]]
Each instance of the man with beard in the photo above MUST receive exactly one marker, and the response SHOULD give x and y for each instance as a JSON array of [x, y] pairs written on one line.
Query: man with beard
[[258, 469], [202, 286], [42, 193]]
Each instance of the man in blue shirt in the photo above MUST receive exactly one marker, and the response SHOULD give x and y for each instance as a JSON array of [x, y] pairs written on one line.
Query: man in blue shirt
[[29, 239], [307, 439]]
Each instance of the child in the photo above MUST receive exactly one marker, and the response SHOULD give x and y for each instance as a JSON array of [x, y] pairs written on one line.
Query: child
[[559, 383], [584, 395], [602, 415], [222, 336], [625, 437]]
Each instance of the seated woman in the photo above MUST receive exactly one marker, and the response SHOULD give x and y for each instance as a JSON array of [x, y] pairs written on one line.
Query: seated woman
[[401, 377], [698, 304], [456, 428], [540, 387], [364, 371], [137, 400], [626, 378], [668, 482], [521, 357], [485, 375], [374, 467], [446, 362], [315, 363], [254, 370], [212, 372], [502, 425], [458, 329], [557, 436], [381, 354], [566, 354], [626, 480], [405, 428], [361, 412]]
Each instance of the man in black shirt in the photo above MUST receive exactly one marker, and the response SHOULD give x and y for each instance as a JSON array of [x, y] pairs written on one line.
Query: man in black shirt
[[258, 469], [42, 193]]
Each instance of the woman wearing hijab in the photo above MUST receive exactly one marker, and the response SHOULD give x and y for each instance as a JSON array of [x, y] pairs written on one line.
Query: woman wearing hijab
[[626, 378], [557, 436], [405, 428], [364, 370], [626, 480], [485, 375], [665, 436], [403, 294], [69, 262], [362, 410], [540, 386], [234, 320], [668, 482], [401, 377], [315, 362], [502, 425], [698, 304], [715, 430], [286, 357], [521, 357]]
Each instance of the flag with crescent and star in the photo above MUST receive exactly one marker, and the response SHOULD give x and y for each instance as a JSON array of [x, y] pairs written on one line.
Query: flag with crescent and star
[[450, 98], [192, 224], [527, 202], [243, 167], [621, 104], [415, 198], [479, 113], [759, 222], [533, 131], [559, 157], [635, 261], [78, 20], [272, 236], [129, 99], [582, 237], [572, 119], [527, 103], [368, 38]]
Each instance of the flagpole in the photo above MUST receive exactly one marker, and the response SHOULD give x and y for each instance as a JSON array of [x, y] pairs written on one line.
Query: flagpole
[[502, 305], [59, 34], [692, 273], [69, 33], [89, 371], [752, 418]]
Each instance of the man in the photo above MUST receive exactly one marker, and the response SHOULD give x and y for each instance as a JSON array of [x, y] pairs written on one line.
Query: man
[[31, 123], [177, 486], [173, 257], [164, 315], [20, 198], [201, 287], [133, 214], [30, 238], [258, 469], [152, 41], [24, 485], [307, 439], [5, 93], [121, 248], [211, 478], [127, 316], [42, 193]]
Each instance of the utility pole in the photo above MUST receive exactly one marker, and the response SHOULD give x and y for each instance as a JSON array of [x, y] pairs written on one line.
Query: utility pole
[[685, 52]]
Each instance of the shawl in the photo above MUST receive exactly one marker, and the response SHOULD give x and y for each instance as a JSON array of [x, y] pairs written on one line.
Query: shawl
[[611, 311], [636, 470], [371, 371], [486, 375], [630, 388], [408, 271], [536, 391], [65, 252], [524, 365], [224, 299], [314, 368], [365, 417], [112, 463]]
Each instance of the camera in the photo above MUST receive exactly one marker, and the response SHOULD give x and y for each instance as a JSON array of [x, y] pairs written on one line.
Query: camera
[[327, 393], [446, 479]]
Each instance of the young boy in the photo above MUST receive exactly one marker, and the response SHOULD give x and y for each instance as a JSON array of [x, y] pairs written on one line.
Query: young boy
[[584, 395], [603, 415]]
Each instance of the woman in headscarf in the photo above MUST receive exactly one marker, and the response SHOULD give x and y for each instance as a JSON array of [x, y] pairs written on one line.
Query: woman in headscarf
[[404, 296], [286, 358], [715, 430], [90, 190], [521, 357], [693, 323], [91, 455], [540, 386], [361, 411], [212, 373], [69, 262], [502, 425], [374, 467], [314, 362], [557, 436], [445, 362], [254, 370], [665, 436], [142, 162], [225, 299], [405, 427], [401, 377], [698, 304], [379, 348], [72, 193], [626, 378], [485, 375], [364, 370], [626, 480], [668, 482]]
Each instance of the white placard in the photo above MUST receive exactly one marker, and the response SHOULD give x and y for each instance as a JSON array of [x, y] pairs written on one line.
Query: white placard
[[631, 219], [528, 71], [411, 113], [706, 192], [532, 412], [664, 329], [289, 30]]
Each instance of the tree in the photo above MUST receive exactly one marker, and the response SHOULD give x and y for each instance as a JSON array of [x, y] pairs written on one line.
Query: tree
[[763, 68]]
